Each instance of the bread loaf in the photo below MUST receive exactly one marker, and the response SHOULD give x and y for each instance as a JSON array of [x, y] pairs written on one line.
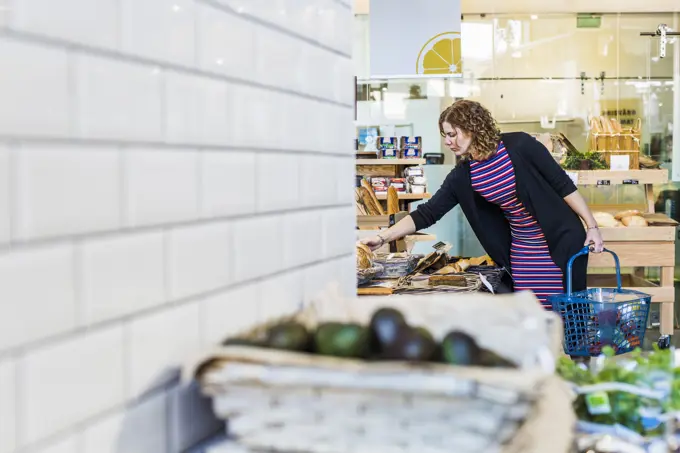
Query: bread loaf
[[364, 257], [605, 220], [634, 221], [627, 213]]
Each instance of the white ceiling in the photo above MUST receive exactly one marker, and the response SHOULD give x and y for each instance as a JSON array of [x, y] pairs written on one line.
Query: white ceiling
[[555, 6]]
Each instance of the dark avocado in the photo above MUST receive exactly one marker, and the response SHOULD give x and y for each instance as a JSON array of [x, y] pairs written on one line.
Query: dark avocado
[[290, 336], [342, 340], [489, 358], [458, 348], [386, 327], [413, 345]]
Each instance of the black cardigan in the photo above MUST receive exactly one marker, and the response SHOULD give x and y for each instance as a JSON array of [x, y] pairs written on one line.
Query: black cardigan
[[541, 186]]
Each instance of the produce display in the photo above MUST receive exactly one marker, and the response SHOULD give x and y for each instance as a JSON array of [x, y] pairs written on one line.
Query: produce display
[[388, 336], [635, 397]]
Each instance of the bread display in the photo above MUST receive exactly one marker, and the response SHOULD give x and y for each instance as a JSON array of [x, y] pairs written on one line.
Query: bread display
[[605, 220]]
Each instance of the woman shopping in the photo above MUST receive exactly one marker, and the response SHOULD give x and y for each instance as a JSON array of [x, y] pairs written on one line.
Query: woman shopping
[[521, 205]]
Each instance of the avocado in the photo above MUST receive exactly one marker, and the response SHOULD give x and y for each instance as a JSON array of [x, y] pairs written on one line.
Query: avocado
[[290, 336], [341, 340], [386, 326], [414, 344], [489, 358], [459, 348]]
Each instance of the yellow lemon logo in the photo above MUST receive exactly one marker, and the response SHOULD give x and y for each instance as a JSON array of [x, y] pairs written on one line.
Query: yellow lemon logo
[[441, 55]]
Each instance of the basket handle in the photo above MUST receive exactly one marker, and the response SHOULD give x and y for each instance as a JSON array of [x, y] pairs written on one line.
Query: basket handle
[[584, 251]]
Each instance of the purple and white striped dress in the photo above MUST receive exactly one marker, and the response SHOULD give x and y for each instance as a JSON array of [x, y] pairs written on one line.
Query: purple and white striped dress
[[531, 265]]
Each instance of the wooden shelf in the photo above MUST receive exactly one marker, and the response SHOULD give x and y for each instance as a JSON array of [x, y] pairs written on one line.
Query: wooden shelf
[[406, 196], [633, 177], [390, 161]]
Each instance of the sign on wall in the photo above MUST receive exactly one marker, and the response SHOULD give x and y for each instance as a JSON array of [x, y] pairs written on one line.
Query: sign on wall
[[418, 38]]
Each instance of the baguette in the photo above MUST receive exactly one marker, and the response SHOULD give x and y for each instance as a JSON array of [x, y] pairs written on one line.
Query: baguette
[[375, 203], [634, 221], [627, 213], [372, 207]]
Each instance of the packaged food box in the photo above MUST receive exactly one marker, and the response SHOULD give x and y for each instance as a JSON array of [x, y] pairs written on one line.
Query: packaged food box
[[380, 184], [388, 147], [411, 147], [399, 184]]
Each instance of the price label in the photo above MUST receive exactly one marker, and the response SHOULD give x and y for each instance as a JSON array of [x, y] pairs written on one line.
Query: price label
[[604, 182], [631, 181]]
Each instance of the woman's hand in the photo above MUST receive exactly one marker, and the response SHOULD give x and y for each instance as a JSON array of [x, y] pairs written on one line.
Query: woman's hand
[[594, 239], [373, 242]]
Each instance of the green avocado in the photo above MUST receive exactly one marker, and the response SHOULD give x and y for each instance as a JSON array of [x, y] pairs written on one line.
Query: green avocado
[[386, 327], [341, 340], [289, 336], [459, 348], [414, 344], [489, 358]]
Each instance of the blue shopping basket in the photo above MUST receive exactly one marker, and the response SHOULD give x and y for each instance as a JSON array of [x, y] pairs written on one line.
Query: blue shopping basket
[[599, 317]]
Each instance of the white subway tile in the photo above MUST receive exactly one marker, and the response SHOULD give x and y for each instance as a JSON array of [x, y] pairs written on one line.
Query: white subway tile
[[38, 78], [317, 280], [345, 171], [227, 183], [302, 238], [257, 250], [278, 181], [5, 194], [277, 58], [245, 116], [138, 429], [159, 29], [55, 185], [339, 232], [281, 295], [121, 275], [263, 117], [68, 444], [199, 259], [118, 100], [39, 282], [191, 418], [161, 185], [226, 43], [230, 313], [343, 81], [159, 343], [87, 22], [70, 381], [318, 181], [198, 110], [346, 270], [8, 411]]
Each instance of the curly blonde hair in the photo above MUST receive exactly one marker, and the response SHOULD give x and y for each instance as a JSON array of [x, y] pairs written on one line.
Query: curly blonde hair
[[475, 119]]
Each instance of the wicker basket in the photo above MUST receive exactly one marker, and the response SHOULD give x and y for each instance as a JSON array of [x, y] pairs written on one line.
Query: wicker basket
[[280, 401], [610, 139]]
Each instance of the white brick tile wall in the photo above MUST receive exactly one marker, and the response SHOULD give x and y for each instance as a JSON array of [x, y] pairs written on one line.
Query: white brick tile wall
[[39, 283], [38, 78], [69, 381], [258, 250], [161, 185], [5, 193], [199, 259], [118, 100], [121, 275], [55, 185], [157, 350], [7, 407], [226, 43], [159, 29], [229, 313], [278, 181], [228, 183], [90, 22], [172, 172]]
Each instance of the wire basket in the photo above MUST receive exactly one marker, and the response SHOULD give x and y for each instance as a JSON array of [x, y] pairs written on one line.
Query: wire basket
[[599, 317]]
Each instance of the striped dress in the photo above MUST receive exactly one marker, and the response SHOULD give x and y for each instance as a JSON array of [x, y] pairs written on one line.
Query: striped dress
[[532, 267]]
